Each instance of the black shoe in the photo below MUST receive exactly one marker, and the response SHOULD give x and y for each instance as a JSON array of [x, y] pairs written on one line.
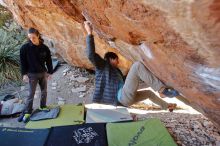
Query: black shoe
[[20, 118]]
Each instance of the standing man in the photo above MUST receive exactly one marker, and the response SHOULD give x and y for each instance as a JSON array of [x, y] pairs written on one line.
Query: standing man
[[36, 68], [110, 87]]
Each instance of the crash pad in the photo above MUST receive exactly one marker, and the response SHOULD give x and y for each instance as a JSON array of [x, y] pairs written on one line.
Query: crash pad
[[78, 135], [107, 115], [69, 115], [23, 137], [149, 132], [43, 115], [55, 63]]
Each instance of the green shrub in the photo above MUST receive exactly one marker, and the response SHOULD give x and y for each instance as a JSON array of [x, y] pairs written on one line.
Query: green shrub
[[5, 16], [10, 43]]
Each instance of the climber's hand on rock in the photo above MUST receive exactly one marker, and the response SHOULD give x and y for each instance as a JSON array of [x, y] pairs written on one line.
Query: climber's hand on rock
[[88, 27]]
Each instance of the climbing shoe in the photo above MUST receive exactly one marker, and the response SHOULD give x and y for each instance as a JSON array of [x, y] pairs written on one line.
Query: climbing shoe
[[26, 118], [45, 109], [20, 118], [169, 92]]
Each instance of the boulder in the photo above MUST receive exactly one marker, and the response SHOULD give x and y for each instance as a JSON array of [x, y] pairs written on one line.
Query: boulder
[[179, 41]]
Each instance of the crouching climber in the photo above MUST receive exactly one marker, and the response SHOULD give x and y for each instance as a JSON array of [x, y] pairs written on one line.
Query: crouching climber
[[110, 86]]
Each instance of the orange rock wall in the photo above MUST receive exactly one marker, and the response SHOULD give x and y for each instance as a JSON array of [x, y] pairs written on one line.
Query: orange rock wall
[[179, 41]]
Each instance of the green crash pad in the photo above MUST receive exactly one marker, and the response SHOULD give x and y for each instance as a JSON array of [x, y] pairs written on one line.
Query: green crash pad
[[69, 115], [149, 132]]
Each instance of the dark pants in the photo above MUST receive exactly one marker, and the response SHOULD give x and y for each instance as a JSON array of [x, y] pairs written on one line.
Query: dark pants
[[34, 79]]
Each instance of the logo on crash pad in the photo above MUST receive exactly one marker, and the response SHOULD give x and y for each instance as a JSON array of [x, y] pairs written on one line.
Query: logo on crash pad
[[134, 140], [84, 135]]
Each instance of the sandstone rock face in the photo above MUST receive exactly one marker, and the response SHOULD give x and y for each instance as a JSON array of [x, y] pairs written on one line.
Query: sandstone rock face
[[179, 41]]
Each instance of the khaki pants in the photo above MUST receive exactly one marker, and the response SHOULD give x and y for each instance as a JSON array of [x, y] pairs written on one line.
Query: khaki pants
[[130, 95]]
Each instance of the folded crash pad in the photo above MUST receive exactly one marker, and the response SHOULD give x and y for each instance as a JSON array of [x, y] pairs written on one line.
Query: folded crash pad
[[43, 115], [78, 135], [69, 115], [149, 132], [107, 115], [23, 137]]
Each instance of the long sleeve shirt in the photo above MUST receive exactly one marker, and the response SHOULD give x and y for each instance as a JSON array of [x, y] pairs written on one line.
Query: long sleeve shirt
[[35, 59]]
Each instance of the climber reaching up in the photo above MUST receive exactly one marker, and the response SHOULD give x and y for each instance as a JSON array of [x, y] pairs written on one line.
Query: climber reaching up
[[110, 86]]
